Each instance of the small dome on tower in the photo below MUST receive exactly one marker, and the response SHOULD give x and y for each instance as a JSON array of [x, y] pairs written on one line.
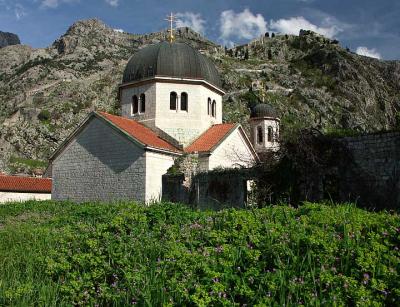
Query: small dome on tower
[[263, 110], [176, 60]]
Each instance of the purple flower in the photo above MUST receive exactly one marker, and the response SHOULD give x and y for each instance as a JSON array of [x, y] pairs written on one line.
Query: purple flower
[[133, 302], [215, 279], [219, 249]]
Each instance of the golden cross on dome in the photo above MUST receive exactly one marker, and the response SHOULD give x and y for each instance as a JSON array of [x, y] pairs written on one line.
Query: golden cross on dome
[[171, 19]]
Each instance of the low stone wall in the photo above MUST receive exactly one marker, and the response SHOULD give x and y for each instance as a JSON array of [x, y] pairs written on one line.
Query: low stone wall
[[209, 190], [373, 175]]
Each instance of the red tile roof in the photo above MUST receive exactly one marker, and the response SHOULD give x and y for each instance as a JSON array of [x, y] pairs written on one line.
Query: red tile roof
[[209, 139], [24, 184], [139, 132]]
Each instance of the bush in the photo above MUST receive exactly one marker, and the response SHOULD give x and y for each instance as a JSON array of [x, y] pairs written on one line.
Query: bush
[[167, 254]]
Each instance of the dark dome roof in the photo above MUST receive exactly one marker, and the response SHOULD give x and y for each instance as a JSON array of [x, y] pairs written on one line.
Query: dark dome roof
[[263, 110], [170, 60]]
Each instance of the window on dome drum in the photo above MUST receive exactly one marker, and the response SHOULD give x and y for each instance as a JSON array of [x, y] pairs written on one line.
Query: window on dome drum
[[135, 105], [270, 134], [142, 103], [260, 137], [173, 99], [214, 109], [209, 106], [184, 102]]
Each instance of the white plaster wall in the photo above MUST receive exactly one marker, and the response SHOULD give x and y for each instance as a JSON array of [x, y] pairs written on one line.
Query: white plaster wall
[[264, 124], [182, 125], [233, 152], [148, 117], [157, 165], [21, 197]]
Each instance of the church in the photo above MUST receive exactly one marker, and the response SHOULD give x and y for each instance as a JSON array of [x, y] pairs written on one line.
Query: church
[[171, 107]]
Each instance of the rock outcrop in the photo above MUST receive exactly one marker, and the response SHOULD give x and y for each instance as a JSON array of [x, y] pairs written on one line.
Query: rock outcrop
[[8, 39]]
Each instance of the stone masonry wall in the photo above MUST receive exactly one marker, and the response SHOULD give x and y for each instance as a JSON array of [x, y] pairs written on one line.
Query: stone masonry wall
[[99, 165], [373, 177]]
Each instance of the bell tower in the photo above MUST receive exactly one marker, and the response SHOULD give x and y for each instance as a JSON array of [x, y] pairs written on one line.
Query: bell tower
[[265, 128]]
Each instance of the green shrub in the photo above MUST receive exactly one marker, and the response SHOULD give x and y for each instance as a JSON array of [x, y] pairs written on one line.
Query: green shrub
[[167, 254], [44, 116]]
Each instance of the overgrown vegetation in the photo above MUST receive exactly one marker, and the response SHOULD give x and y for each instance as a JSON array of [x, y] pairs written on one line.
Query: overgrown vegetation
[[119, 254]]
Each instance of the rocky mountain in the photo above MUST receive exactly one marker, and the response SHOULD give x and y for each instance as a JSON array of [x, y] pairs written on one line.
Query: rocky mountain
[[8, 39], [311, 80]]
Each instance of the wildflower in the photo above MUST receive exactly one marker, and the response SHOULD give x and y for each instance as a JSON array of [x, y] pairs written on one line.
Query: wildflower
[[133, 302], [215, 279], [196, 226], [114, 284], [385, 233], [366, 278], [334, 270], [219, 249]]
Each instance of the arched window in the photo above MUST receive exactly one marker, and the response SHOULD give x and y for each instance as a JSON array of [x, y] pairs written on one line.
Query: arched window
[[209, 106], [184, 102], [135, 105], [214, 109], [142, 103], [260, 137], [173, 98], [270, 134]]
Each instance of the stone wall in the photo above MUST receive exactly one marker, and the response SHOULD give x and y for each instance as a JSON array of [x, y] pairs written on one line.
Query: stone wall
[[209, 190], [100, 164], [21, 197], [373, 176]]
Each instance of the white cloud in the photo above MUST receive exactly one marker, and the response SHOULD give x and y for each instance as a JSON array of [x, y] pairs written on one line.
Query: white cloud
[[17, 8], [19, 11], [114, 3], [293, 25], [244, 25], [191, 20], [119, 30], [55, 3], [372, 53]]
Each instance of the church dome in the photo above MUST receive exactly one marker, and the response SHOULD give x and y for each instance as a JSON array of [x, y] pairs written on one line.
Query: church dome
[[166, 59], [263, 110]]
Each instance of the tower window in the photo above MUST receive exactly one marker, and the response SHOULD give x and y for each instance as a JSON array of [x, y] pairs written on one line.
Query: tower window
[[184, 102], [270, 134], [214, 109], [173, 98], [135, 105], [209, 106], [260, 137], [142, 103]]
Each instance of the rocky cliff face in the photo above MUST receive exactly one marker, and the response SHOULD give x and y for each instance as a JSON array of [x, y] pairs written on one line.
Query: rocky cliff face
[[8, 39], [311, 80]]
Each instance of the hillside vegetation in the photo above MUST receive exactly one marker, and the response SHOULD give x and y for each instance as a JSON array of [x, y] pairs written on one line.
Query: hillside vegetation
[[311, 80], [124, 253]]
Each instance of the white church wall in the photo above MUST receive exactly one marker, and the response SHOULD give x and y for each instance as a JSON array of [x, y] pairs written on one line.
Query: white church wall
[[127, 93], [21, 197], [157, 165], [233, 152], [99, 165], [186, 126]]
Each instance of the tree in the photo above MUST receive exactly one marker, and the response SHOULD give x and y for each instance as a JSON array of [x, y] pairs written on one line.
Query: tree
[[273, 35], [266, 34], [269, 54], [246, 54]]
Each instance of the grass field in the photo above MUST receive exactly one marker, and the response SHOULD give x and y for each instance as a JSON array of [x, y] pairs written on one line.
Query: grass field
[[123, 254]]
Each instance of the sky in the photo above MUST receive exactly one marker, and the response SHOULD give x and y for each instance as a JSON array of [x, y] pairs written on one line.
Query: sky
[[368, 27]]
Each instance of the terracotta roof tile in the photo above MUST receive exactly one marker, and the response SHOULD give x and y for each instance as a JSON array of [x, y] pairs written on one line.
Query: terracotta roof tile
[[209, 139], [139, 132], [24, 184]]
